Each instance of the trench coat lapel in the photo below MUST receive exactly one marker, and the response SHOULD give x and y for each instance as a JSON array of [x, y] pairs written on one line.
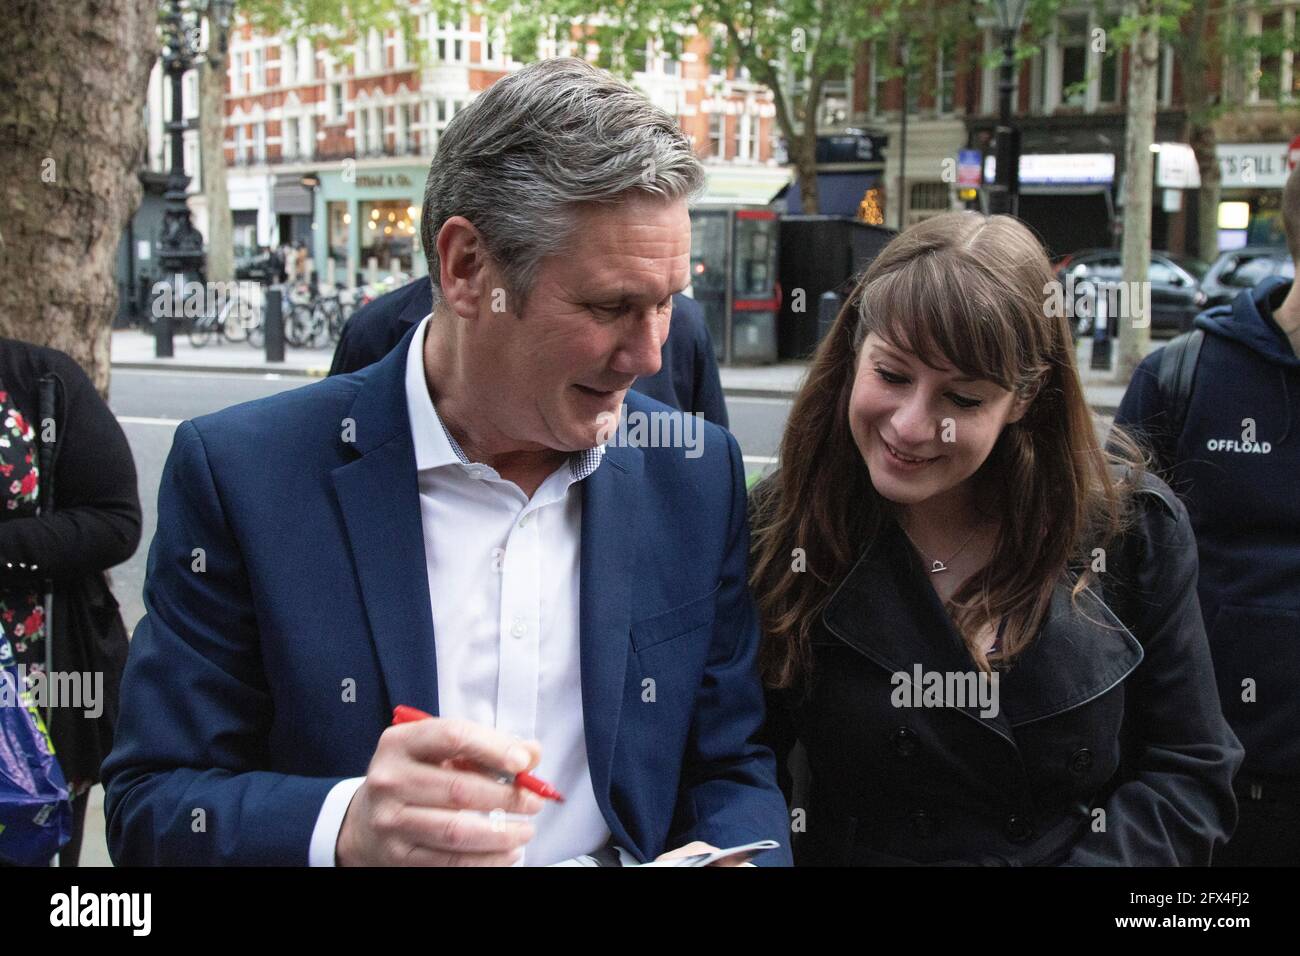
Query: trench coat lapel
[[886, 610]]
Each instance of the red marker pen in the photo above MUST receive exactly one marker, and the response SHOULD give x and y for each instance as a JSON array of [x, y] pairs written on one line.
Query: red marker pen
[[403, 714]]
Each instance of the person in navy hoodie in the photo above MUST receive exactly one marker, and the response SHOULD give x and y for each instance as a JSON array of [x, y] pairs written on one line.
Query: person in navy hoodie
[[688, 379], [1236, 461]]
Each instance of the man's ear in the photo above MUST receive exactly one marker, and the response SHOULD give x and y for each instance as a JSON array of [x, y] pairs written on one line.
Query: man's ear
[[463, 266]]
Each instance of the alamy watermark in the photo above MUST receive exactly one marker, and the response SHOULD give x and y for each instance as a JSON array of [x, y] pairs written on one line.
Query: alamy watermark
[[1086, 298], [80, 690], [660, 429], [922, 688]]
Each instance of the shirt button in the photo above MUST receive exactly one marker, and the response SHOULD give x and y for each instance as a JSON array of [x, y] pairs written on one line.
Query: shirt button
[[520, 628], [524, 520]]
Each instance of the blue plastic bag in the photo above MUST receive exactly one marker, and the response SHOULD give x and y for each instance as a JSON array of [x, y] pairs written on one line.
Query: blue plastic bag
[[35, 812]]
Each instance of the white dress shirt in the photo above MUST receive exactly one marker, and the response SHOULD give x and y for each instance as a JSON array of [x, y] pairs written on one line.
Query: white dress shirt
[[504, 585]]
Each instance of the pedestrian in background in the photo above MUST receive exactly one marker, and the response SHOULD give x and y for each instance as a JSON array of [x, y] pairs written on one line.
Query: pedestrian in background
[[94, 525], [1220, 410]]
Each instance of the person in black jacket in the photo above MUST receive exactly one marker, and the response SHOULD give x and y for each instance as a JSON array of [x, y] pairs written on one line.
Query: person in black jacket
[[1236, 462], [981, 627], [93, 525], [688, 380]]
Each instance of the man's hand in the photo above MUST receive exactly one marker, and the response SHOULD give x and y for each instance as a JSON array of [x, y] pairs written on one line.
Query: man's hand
[[423, 777]]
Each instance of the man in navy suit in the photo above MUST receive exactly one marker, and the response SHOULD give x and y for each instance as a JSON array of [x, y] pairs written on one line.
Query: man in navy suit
[[688, 379], [456, 529]]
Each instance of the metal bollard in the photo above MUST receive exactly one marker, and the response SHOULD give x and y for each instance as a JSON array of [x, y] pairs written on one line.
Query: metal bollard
[[1101, 331], [274, 326], [162, 324]]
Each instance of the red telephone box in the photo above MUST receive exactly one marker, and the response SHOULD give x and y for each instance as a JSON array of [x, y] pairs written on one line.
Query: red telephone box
[[733, 277]]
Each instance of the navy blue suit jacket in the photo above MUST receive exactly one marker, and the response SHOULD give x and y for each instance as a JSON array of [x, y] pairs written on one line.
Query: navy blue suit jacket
[[688, 379], [288, 611]]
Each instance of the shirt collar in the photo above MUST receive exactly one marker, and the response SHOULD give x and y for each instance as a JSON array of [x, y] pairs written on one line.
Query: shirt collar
[[434, 444]]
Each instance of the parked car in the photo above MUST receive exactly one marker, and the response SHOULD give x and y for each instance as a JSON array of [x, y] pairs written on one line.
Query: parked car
[[1176, 295], [1244, 268]]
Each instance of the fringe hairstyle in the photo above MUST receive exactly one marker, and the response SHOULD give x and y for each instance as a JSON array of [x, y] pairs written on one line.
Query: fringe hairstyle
[[973, 291]]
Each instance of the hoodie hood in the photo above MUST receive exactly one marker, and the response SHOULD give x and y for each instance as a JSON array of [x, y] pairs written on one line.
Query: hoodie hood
[[1248, 319]]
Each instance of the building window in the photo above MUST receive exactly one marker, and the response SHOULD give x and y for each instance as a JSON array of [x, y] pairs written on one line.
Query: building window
[[241, 146], [336, 102], [1073, 42], [403, 124], [339, 220], [755, 127], [359, 137], [259, 69], [236, 71], [388, 233], [1109, 64], [306, 138], [375, 51], [739, 132], [377, 129], [717, 135], [289, 137], [945, 78], [879, 68], [259, 142]]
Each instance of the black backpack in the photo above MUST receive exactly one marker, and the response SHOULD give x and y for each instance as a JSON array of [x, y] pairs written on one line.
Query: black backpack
[[1176, 378]]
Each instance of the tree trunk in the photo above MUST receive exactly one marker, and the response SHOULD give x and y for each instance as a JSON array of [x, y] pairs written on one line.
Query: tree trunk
[[1135, 329], [73, 76], [1193, 50], [212, 157], [805, 167]]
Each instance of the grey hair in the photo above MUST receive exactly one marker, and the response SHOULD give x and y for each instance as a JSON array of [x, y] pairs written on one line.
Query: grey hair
[[519, 160]]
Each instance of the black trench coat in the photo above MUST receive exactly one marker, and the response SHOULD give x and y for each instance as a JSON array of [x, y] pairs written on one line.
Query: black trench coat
[[1113, 707]]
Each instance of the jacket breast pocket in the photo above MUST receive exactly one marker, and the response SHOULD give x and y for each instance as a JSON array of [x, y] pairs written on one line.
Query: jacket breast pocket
[[676, 622]]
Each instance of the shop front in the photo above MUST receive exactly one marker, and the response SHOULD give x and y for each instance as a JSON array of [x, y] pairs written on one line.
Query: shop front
[[1250, 194], [372, 222]]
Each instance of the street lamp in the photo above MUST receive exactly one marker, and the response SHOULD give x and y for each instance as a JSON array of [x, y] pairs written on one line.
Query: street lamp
[[1005, 193], [180, 247]]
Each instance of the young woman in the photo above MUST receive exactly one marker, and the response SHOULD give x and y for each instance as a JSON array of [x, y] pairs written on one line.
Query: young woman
[[981, 626]]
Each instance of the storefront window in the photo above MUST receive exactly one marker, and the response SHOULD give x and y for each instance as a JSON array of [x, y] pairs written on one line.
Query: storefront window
[[339, 226], [388, 230]]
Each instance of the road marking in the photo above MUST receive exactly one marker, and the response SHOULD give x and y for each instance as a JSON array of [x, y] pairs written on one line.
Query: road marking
[[242, 376], [758, 400], [139, 420]]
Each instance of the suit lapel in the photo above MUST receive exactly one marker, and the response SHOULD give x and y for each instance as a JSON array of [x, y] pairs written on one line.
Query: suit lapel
[[379, 497], [609, 517]]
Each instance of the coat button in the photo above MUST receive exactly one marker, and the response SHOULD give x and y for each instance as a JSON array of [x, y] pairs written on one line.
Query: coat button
[[1018, 829], [904, 741], [922, 823], [1081, 761]]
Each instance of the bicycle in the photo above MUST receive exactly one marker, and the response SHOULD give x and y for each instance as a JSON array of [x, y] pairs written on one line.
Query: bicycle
[[238, 319]]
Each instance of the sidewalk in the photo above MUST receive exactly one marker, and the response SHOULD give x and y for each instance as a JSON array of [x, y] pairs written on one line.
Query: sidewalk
[[134, 350]]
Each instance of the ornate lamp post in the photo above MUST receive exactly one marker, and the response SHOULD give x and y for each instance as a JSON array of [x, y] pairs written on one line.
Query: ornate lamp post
[[180, 247], [1004, 194]]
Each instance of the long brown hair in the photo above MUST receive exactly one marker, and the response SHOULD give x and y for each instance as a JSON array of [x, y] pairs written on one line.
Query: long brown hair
[[970, 289]]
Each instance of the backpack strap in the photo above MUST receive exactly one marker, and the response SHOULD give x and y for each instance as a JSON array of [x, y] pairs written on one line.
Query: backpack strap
[[1176, 378]]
